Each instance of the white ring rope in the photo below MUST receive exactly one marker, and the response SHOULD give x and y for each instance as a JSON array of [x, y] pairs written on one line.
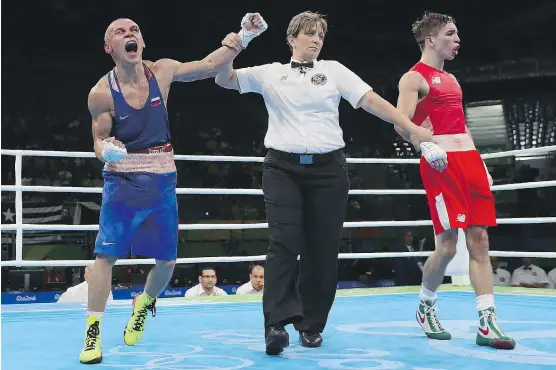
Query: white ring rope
[[221, 191], [222, 158], [264, 225], [150, 261], [20, 227]]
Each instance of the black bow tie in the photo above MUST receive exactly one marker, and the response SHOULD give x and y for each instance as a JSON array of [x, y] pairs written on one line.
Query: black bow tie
[[295, 64], [527, 267]]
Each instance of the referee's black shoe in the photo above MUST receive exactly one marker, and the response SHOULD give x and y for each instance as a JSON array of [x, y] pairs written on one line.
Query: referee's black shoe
[[309, 339], [276, 338]]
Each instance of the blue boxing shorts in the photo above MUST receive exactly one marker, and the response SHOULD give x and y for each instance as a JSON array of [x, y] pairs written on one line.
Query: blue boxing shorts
[[139, 212]]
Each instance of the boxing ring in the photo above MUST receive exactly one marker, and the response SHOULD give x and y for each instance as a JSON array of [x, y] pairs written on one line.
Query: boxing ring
[[367, 329]]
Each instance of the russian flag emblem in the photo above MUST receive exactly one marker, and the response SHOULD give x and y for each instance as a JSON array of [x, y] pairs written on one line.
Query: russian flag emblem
[[155, 101]]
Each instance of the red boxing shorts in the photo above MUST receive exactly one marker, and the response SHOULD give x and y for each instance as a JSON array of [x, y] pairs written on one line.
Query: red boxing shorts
[[460, 195]]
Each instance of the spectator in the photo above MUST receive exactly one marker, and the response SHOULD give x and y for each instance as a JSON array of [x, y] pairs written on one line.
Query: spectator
[[256, 281], [126, 273], [529, 275], [50, 274], [80, 292], [500, 277], [206, 286], [552, 279], [408, 270]]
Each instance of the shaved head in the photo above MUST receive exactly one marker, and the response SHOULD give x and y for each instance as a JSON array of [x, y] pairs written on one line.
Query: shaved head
[[111, 27], [123, 40]]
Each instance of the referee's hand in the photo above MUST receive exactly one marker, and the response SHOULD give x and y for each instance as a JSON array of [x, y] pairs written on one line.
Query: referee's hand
[[233, 41], [420, 135]]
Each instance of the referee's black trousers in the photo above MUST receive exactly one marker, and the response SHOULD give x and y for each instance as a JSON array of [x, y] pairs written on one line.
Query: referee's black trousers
[[305, 208]]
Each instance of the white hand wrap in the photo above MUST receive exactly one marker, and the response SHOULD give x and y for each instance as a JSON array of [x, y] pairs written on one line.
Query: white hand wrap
[[247, 36], [432, 152], [112, 153]]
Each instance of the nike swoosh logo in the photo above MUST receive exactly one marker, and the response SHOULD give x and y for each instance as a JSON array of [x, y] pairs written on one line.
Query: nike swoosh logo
[[421, 317], [124, 117], [483, 331], [106, 243]]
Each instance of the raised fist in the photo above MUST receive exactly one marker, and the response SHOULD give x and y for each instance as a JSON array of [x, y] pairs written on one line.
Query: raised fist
[[254, 23]]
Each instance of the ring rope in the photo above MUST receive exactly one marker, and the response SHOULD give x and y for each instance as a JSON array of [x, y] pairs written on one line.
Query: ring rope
[[222, 158], [223, 191], [20, 227], [350, 224], [150, 261]]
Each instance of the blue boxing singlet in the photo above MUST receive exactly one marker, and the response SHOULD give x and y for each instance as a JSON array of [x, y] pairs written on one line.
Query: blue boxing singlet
[[140, 128]]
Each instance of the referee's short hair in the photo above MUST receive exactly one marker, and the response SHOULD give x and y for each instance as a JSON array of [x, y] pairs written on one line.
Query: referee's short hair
[[305, 22]]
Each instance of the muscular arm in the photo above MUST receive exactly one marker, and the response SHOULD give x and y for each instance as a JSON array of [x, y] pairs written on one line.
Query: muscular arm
[[227, 78], [378, 106], [198, 70], [408, 98], [102, 119]]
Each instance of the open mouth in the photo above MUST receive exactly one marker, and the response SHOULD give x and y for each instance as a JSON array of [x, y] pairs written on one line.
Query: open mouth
[[455, 50], [131, 47]]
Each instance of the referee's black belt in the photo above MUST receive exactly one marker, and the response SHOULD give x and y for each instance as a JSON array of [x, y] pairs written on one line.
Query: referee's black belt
[[305, 159]]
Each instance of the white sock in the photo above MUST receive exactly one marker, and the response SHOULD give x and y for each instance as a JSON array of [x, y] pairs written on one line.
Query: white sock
[[93, 313], [426, 295], [485, 301]]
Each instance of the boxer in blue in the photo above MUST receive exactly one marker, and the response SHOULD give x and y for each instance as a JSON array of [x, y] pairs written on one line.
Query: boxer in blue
[[131, 134]]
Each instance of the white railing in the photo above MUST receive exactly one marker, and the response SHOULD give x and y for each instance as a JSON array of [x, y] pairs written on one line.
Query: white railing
[[18, 188]]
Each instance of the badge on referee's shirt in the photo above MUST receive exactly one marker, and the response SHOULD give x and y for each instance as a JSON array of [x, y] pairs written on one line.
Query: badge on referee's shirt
[[318, 79]]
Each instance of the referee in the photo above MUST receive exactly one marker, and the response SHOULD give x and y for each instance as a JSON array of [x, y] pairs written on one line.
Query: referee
[[305, 176]]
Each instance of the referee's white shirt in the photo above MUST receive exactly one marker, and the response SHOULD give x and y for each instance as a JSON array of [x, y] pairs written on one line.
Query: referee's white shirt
[[532, 275], [247, 288], [552, 279], [302, 108], [501, 277]]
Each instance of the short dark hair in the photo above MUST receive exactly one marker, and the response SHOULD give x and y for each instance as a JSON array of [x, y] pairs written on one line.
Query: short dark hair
[[206, 268], [253, 266], [429, 25]]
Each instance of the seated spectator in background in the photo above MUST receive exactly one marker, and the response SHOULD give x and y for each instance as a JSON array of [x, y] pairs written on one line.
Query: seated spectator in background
[[256, 281], [50, 273], [79, 293], [500, 277], [126, 272], [206, 286], [408, 270], [552, 279], [529, 275]]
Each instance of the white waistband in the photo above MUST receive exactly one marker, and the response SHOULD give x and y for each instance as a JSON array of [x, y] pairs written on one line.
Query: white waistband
[[454, 142], [139, 162]]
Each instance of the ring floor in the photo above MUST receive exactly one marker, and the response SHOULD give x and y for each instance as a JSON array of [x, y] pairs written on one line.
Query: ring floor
[[367, 329]]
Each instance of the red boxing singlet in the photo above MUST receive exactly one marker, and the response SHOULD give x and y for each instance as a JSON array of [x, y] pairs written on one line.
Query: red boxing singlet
[[443, 104]]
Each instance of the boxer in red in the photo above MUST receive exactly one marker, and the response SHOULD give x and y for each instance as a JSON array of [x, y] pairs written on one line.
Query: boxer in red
[[459, 196]]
